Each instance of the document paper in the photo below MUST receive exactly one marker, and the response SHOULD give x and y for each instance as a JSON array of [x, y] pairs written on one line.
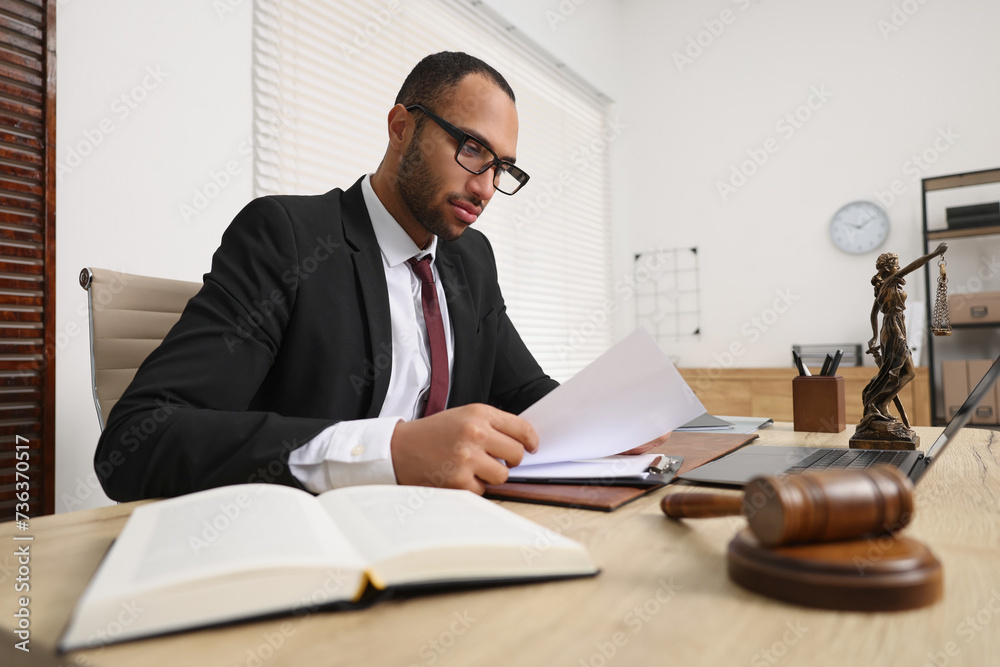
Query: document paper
[[608, 467], [628, 396]]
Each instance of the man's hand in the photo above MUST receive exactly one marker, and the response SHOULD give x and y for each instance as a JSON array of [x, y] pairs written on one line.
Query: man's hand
[[459, 448]]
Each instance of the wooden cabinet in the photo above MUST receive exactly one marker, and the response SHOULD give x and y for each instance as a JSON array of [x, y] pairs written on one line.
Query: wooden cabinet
[[27, 259], [767, 392]]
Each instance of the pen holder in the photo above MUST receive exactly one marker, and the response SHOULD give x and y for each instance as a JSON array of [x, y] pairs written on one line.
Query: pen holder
[[818, 403]]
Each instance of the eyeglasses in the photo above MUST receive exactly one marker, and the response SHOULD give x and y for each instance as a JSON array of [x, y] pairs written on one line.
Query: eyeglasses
[[476, 158]]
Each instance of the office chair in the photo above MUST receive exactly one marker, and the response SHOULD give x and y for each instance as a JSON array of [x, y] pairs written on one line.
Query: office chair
[[129, 316]]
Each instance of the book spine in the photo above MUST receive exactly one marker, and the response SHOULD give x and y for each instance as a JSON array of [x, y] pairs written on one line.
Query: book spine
[[956, 212], [975, 220]]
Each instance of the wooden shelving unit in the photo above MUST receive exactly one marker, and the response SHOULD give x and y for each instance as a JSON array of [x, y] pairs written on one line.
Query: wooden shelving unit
[[951, 181]]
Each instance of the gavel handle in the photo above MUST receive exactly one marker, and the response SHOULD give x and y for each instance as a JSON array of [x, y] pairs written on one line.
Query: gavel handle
[[701, 505]]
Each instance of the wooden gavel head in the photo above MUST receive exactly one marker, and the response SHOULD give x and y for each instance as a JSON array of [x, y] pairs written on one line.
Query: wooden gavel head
[[810, 506]]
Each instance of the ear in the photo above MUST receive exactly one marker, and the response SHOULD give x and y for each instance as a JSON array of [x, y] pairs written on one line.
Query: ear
[[400, 124]]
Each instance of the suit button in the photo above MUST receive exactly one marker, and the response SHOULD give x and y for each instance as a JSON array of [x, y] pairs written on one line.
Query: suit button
[[358, 450]]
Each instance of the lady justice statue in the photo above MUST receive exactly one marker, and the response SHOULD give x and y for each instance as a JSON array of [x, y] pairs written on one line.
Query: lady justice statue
[[878, 428]]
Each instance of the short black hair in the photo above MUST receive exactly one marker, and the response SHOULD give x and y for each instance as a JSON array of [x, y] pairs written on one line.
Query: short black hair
[[437, 75]]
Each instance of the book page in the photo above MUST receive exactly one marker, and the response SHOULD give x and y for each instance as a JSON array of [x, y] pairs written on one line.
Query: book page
[[225, 530], [399, 523], [217, 555]]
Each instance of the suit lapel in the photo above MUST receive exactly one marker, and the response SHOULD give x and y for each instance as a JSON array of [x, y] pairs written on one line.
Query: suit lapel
[[370, 277], [462, 313]]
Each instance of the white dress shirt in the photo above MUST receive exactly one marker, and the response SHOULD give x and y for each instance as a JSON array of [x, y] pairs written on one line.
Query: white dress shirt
[[357, 452]]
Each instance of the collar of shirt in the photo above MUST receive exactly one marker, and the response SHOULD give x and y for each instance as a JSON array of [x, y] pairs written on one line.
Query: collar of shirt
[[396, 244]]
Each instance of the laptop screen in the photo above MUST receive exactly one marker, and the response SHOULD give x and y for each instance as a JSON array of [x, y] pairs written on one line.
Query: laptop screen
[[965, 412]]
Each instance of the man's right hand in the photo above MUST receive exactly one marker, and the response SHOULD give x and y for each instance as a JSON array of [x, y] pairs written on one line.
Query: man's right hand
[[459, 448]]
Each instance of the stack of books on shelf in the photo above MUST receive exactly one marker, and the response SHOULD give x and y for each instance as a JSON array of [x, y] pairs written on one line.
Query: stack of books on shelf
[[976, 215]]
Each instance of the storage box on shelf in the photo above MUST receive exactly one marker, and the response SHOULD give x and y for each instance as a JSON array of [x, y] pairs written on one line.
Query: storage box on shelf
[[974, 308], [958, 378]]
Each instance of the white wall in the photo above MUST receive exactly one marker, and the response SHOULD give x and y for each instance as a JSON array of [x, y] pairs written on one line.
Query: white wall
[[891, 94], [128, 165]]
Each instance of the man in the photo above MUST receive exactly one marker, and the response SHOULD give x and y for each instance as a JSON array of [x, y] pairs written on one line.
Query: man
[[314, 348]]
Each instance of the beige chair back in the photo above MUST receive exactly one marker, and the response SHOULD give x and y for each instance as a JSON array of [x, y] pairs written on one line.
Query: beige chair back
[[129, 316]]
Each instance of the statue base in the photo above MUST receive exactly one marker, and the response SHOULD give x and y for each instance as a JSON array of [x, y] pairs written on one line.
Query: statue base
[[869, 443], [880, 432]]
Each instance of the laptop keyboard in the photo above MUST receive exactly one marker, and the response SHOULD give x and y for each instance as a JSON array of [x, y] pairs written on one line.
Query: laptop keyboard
[[851, 459]]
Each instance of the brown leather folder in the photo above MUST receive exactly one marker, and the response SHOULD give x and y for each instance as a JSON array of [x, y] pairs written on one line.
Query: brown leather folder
[[696, 448]]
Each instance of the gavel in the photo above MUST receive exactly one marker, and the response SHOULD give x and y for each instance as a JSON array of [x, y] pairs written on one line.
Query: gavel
[[806, 507]]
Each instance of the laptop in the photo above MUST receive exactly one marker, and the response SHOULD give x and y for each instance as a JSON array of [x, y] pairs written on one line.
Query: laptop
[[744, 464]]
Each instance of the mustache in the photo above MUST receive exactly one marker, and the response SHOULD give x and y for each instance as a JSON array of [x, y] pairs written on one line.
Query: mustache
[[475, 201]]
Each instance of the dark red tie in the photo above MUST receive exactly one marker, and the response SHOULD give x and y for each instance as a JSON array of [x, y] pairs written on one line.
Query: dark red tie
[[437, 396]]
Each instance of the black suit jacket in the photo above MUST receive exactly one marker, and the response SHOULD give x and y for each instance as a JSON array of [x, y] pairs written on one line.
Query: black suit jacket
[[289, 334]]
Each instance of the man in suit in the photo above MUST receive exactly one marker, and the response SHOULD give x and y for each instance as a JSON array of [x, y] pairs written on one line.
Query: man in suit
[[315, 347]]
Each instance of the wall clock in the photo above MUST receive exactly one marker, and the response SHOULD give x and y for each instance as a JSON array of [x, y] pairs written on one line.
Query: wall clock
[[859, 227]]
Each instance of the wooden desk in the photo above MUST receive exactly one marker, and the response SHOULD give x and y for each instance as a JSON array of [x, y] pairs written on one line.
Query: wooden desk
[[663, 596]]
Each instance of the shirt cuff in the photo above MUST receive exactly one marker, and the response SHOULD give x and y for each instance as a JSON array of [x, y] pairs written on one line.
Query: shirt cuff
[[348, 453]]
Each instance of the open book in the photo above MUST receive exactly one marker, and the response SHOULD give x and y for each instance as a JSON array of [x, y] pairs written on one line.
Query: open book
[[252, 550]]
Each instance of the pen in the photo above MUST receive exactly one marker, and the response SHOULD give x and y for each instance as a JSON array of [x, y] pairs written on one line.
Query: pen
[[803, 369], [826, 365], [837, 356]]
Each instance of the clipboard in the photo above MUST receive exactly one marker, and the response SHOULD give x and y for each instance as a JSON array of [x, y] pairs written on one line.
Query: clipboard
[[659, 474], [693, 448]]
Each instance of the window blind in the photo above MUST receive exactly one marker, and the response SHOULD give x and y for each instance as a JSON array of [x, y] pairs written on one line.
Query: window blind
[[325, 76]]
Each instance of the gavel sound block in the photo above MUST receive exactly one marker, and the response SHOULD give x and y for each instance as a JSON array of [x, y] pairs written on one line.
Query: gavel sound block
[[826, 539]]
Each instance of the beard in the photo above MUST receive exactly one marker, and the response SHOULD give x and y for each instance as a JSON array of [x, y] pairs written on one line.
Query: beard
[[417, 187]]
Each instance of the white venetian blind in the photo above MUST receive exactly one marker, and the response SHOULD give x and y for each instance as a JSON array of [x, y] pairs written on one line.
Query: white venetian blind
[[326, 75]]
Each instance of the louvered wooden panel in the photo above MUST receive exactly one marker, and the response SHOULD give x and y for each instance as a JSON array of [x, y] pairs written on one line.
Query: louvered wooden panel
[[27, 255]]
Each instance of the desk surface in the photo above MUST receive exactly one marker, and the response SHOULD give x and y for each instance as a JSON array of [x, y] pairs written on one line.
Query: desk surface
[[663, 595]]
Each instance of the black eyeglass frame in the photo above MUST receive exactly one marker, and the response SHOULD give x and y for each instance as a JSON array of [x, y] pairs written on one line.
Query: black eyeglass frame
[[461, 137]]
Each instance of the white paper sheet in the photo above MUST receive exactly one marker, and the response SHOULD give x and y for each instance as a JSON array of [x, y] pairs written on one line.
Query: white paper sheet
[[606, 468], [628, 396]]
